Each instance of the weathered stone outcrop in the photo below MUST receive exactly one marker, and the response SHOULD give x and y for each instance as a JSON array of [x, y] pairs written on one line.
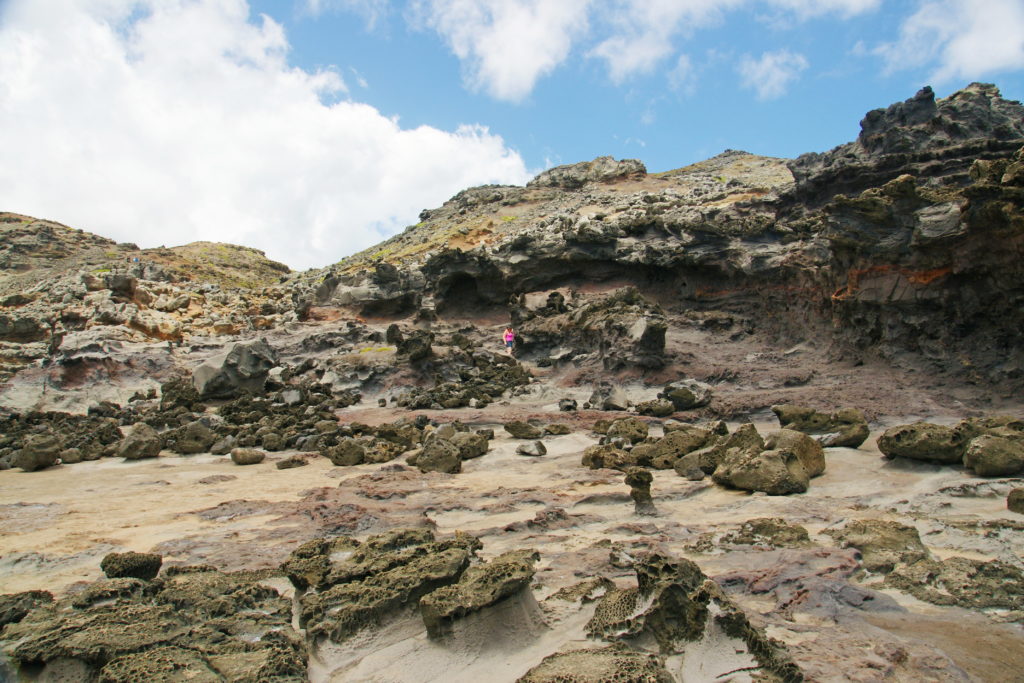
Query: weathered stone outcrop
[[194, 624], [243, 368], [847, 427]]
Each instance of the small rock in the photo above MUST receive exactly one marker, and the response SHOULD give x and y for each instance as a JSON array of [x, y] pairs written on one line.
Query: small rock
[[523, 430], [534, 449], [292, 461], [567, 404], [247, 456], [1015, 501]]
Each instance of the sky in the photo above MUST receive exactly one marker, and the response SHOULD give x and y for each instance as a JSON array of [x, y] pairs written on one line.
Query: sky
[[312, 129]]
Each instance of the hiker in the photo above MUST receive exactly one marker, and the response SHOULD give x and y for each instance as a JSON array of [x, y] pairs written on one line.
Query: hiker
[[510, 338]]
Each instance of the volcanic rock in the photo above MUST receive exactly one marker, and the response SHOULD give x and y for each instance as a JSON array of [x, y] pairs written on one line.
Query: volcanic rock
[[142, 442], [243, 368], [247, 456], [847, 427], [479, 587], [143, 566], [883, 544], [38, 452], [537, 448], [994, 456]]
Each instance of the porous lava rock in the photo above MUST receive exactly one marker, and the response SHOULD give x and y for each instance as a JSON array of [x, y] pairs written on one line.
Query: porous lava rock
[[808, 450], [961, 581], [775, 472], [38, 452], [846, 428], [523, 430], [613, 663], [438, 455], [142, 442], [479, 587], [143, 566], [247, 456], [1015, 501], [639, 482], [994, 456], [922, 441], [882, 543], [686, 394], [375, 579]]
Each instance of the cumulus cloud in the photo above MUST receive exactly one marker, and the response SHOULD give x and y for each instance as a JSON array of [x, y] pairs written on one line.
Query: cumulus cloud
[[505, 45], [643, 31], [771, 75], [170, 121], [963, 39]]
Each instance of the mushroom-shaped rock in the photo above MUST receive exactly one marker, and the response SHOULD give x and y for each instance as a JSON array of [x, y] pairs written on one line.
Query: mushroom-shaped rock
[[639, 482]]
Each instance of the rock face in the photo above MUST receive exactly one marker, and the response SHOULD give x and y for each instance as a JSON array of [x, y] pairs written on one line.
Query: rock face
[[243, 368]]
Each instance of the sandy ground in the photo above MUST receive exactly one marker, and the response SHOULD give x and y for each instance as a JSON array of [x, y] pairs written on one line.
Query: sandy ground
[[57, 524]]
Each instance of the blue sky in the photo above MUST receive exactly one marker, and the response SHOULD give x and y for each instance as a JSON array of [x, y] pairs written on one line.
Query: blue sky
[[315, 128]]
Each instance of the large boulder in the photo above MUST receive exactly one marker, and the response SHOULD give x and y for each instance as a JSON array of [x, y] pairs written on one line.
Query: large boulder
[[609, 397], [38, 452], [470, 444], [142, 442], [195, 437], [523, 430], [686, 394], [847, 427], [922, 441], [808, 450], [629, 429], [242, 368], [994, 456], [438, 455], [601, 169], [775, 472]]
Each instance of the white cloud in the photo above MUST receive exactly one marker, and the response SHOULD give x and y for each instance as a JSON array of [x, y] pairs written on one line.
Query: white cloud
[[505, 45], [170, 121], [963, 39], [643, 31], [771, 75], [682, 77]]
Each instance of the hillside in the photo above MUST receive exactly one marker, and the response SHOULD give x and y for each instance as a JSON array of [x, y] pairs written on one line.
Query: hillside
[[760, 420]]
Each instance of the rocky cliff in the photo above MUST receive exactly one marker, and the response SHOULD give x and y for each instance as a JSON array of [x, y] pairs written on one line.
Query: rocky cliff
[[904, 243], [901, 245]]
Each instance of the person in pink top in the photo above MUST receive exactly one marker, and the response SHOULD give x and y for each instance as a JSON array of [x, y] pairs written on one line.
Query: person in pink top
[[510, 338]]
